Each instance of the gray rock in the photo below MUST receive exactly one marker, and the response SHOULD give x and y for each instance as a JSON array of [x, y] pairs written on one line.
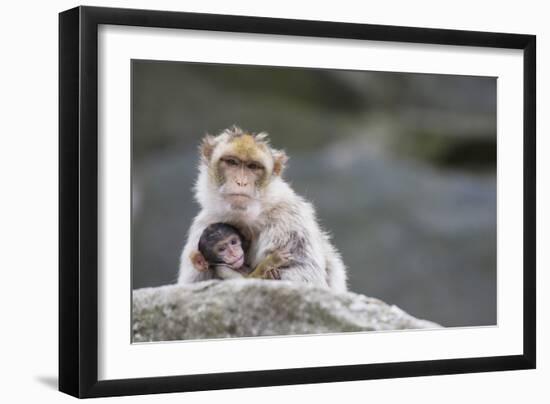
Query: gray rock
[[247, 308]]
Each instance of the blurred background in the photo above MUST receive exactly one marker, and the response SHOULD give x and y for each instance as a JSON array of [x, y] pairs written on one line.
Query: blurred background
[[401, 168]]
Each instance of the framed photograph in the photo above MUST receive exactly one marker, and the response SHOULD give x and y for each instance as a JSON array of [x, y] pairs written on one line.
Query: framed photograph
[[251, 201]]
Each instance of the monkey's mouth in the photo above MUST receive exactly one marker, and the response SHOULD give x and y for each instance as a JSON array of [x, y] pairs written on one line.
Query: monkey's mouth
[[239, 201], [238, 196], [238, 262]]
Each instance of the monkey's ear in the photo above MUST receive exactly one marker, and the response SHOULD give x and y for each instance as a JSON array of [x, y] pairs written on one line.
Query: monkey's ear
[[198, 261], [261, 137], [207, 147], [280, 159]]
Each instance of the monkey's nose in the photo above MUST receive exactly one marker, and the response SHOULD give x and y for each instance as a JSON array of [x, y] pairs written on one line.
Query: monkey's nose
[[242, 182]]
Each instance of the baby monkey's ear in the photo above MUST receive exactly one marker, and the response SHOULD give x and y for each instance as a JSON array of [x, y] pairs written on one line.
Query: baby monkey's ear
[[280, 159], [198, 261], [207, 147]]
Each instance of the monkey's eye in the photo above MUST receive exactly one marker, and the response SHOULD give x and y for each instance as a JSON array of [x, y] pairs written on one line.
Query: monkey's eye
[[232, 162], [234, 241], [221, 249], [254, 166]]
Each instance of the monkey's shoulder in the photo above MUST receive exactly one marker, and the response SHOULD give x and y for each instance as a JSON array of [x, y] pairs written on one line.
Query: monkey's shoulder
[[295, 207]]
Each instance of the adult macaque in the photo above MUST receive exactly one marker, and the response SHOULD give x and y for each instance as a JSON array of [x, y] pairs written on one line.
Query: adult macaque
[[240, 183], [222, 250]]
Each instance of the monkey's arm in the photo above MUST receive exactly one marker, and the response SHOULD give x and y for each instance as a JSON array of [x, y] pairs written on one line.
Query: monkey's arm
[[273, 261], [224, 272]]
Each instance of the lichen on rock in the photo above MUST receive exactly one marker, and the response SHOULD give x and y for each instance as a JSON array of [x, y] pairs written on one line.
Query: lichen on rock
[[248, 308]]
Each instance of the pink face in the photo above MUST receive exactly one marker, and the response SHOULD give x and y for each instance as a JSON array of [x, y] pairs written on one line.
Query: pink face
[[242, 179], [230, 251]]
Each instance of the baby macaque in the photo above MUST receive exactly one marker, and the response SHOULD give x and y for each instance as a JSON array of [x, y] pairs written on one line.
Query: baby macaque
[[222, 249]]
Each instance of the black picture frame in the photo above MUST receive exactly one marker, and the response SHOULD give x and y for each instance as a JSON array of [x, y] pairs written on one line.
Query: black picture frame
[[78, 200]]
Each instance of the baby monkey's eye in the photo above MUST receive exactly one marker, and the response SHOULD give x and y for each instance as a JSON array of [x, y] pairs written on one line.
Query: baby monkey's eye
[[234, 241], [221, 249]]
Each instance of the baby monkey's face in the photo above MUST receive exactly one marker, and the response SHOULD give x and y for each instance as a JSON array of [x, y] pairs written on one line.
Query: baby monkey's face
[[230, 251]]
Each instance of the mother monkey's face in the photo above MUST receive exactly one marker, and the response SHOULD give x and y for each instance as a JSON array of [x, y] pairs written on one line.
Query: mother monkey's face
[[241, 166]]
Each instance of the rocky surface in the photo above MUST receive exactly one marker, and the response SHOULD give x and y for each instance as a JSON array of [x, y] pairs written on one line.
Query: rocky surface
[[246, 308]]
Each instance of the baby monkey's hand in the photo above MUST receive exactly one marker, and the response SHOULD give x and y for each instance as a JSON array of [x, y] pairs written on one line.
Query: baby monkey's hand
[[277, 261], [270, 266], [280, 258]]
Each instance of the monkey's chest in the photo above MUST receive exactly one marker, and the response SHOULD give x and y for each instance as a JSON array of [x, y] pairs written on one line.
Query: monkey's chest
[[259, 248]]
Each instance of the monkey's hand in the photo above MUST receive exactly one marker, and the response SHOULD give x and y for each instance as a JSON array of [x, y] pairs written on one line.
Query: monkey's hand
[[273, 274], [198, 261], [279, 259], [269, 267]]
